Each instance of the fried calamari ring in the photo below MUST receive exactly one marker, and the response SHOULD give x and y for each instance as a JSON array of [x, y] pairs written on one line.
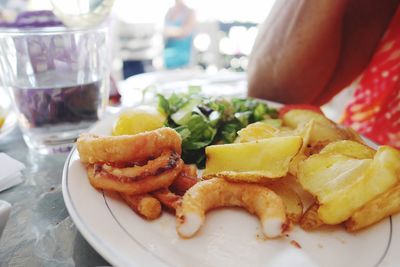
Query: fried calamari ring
[[127, 148], [103, 180], [145, 205], [209, 194], [165, 161]]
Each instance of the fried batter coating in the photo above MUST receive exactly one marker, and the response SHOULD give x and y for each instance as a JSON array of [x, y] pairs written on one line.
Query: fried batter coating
[[167, 199], [185, 180], [310, 220], [127, 148], [145, 205], [103, 180], [213, 193], [165, 161]]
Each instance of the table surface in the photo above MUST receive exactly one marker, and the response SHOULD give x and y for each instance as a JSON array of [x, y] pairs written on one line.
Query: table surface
[[39, 231]]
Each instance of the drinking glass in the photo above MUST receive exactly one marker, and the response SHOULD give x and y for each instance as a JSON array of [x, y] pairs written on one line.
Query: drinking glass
[[58, 79]]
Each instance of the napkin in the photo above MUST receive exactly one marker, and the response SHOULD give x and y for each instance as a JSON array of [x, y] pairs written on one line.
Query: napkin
[[10, 171]]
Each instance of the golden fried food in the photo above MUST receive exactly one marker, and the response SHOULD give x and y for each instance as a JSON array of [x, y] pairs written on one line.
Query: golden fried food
[[185, 180], [165, 161], [103, 180], [353, 135], [343, 184], [291, 200], [310, 220], [305, 133], [145, 205], [372, 212], [213, 193], [349, 148], [168, 199], [252, 161], [324, 130], [127, 148], [255, 131]]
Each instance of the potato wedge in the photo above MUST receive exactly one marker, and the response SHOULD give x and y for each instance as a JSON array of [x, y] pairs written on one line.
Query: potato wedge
[[377, 209], [305, 133], [349, 148], [353, 135], [343, 184], [325, 175], [292, 201], [255, 131], [310, 220], [324, 129], [252, 161]]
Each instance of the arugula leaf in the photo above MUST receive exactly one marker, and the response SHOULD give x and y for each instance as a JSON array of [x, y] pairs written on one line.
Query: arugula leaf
[[229, 131], [201, 133], [163, 105], [202, 121]]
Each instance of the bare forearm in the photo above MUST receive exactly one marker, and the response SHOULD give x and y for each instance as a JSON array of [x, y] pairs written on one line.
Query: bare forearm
[[296, 51]]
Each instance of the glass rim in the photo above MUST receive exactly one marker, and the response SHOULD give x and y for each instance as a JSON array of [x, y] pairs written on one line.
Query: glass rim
[[50, 30]]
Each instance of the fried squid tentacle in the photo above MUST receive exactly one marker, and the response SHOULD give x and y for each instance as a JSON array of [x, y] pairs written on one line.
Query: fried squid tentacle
[[206, 195]]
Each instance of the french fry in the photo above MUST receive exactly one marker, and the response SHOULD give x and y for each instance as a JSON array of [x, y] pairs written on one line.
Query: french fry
[[185, 180], [372, 212], [144, 205], [310, 220], [168, 199]]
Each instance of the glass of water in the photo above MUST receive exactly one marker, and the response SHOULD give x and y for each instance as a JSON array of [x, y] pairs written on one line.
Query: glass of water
[[59, 81]]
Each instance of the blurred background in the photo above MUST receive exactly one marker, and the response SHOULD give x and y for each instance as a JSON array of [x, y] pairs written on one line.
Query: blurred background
[[221, 36]]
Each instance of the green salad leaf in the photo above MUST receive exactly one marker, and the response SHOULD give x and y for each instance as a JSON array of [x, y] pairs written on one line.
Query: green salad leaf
[[202, 121]]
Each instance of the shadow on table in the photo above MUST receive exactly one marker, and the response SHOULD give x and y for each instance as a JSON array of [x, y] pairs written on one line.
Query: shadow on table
[[85, 255]]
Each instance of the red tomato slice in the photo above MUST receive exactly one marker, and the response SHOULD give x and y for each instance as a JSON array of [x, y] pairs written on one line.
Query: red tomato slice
[[288, 108]]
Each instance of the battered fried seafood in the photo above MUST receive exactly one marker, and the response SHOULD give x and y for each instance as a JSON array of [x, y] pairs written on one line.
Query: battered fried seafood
[[127, 148], [145, 205], [100, 179], [165, 161], [216, 192]]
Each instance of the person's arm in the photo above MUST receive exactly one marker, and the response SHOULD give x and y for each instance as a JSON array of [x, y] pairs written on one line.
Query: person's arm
[[184, 30], [364, 24], [296, 50], [307, 51]]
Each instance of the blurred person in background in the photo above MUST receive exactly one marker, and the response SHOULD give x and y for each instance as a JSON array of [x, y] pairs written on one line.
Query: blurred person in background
[[180, 22], [137, 46], [308, 51]]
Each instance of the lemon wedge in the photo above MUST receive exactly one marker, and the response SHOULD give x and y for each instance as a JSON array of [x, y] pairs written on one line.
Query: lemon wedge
[[137, 120], [2, 117]]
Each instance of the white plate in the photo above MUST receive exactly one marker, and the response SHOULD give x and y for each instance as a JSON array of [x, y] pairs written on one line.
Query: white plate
[[230, 237]]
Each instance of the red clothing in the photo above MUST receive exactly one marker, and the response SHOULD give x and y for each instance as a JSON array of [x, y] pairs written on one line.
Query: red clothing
[[374, 110]]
